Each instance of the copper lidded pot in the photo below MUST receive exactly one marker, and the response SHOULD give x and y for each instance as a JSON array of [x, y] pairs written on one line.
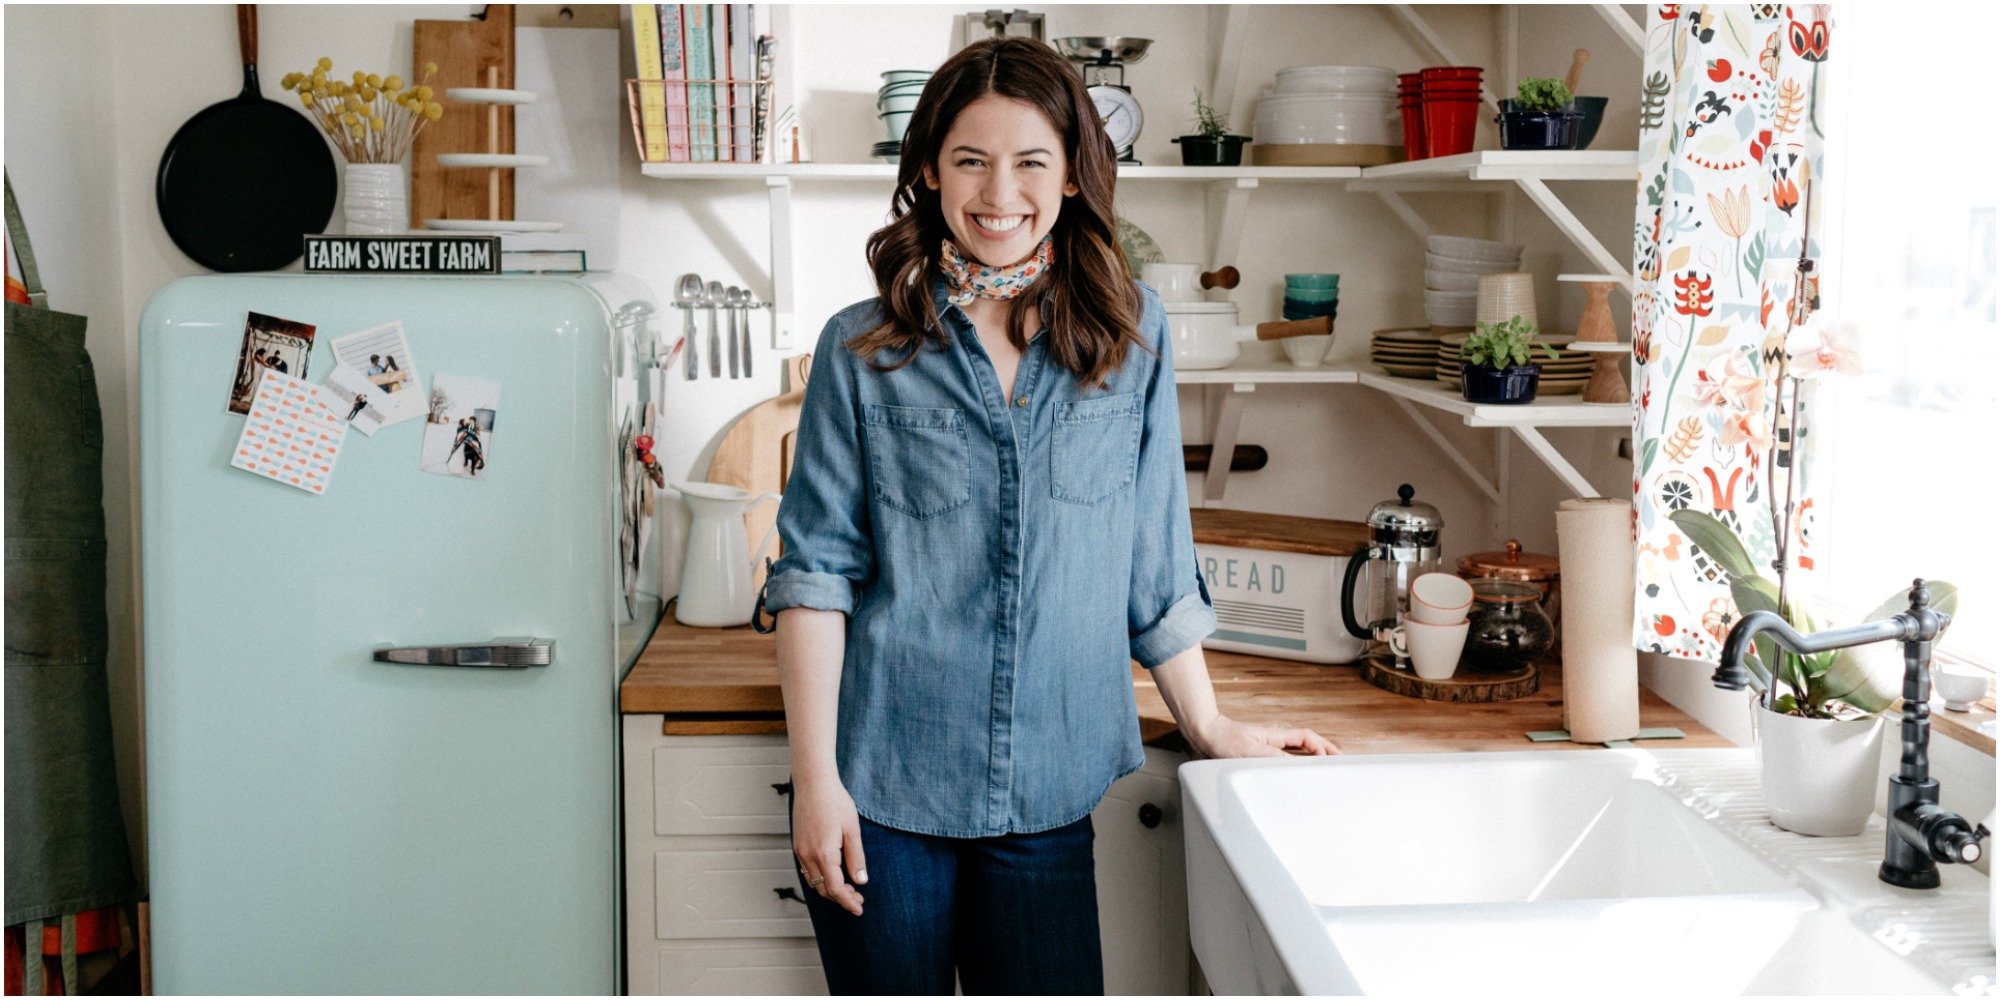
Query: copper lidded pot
[[1511, 563]]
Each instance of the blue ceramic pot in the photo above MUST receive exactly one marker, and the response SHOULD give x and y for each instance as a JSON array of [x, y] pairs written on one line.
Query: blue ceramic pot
[[1513, 384]]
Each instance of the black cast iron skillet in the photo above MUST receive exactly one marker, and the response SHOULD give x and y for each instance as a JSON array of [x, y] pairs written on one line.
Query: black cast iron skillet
[[245, 179]]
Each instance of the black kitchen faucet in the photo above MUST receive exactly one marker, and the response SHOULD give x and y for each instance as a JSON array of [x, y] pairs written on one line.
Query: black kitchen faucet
[[1922, 834]]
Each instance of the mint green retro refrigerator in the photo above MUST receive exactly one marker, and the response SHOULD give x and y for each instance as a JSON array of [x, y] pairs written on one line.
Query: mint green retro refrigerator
[[381, 752]]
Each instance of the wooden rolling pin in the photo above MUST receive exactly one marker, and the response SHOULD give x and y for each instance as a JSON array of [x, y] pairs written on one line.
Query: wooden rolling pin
[[1281, 329], [1576, 69]]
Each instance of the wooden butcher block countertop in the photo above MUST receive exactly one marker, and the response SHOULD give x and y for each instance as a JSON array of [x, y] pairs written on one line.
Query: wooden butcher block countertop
[[713, 681]]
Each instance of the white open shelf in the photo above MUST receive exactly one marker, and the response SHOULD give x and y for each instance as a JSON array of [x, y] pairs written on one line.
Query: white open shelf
[[887, 172], [1513, 165], [1277, 372], [1544, 411], [1226, 388]]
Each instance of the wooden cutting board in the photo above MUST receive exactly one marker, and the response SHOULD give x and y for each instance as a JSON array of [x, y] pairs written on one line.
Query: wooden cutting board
[[470, 53], [756, 455]]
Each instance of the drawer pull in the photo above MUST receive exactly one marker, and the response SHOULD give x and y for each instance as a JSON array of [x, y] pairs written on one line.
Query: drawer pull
[[790, 893], [1150, 816], [783, 787]]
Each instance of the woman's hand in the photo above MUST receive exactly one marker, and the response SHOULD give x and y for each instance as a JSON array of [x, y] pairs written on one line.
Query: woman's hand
[[1222, 736], [826, 830]]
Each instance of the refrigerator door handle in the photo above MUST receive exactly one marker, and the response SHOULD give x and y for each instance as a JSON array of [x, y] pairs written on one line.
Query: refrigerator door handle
[[509, 651]]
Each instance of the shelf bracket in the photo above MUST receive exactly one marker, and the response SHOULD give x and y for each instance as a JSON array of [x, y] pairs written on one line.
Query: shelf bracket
[[1405, 212], [1554, 459], [1435, 43], [1228, 409], [782, 287], [1228, 205], [1573, 227], [1628, 30], [1465, 466]]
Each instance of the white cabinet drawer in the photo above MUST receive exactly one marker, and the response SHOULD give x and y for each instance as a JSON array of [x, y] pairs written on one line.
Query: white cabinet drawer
[[727, 894], [775, 968], [720, 789]]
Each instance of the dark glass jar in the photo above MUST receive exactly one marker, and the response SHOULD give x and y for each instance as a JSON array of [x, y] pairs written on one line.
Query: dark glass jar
[[1509, 628]]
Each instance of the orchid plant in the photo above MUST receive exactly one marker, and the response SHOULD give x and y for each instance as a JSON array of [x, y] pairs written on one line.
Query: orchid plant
[[1835, 684]]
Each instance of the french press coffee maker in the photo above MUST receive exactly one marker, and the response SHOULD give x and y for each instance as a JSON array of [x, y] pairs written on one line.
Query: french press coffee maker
[[1402, 545]]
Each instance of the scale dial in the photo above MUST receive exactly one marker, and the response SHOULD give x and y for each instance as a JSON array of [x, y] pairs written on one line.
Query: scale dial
[[1122, 117]]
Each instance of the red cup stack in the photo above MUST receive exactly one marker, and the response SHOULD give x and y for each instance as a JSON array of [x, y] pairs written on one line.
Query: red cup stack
[[1448, 97]]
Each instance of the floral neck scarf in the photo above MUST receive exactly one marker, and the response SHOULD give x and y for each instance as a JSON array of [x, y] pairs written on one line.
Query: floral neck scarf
[[969, 279]]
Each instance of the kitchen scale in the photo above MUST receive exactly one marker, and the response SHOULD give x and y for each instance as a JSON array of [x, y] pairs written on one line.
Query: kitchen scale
[[1096, 57]]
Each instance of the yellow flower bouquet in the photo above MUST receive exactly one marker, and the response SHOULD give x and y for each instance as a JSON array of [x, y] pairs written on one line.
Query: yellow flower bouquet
[[370, 118]]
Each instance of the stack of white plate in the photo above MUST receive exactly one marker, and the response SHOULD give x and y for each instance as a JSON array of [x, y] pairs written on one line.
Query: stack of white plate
[[1337, 105], [1452, 267]]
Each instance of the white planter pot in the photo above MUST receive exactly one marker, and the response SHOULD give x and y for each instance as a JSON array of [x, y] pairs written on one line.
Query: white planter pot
[[376, 198], [1820, 775]]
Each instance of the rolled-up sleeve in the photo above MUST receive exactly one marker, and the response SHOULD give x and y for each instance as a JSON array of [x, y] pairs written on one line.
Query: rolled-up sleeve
[[1170, 610], [823, 519]]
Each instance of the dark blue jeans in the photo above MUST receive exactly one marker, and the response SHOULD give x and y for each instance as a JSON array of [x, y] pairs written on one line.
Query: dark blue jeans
[[1009, 914]]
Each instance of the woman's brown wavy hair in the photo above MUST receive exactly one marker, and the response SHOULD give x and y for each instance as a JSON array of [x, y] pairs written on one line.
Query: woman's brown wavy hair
[[1087, 297]]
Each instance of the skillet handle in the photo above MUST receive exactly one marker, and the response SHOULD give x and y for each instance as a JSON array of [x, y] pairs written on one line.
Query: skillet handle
[[246, 38]]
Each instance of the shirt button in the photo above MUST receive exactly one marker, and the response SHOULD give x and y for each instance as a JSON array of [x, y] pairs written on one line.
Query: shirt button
[[1020, 401]]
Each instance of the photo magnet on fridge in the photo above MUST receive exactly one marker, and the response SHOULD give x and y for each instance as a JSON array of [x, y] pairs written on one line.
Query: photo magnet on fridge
[[458, 434], [355, 398], [281, 345], [388, 376]]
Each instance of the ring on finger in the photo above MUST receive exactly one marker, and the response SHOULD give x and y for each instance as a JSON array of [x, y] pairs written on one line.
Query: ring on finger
[[814, 880]]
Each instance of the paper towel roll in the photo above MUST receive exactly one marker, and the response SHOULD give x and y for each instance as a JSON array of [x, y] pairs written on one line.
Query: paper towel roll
[[1600, 664]]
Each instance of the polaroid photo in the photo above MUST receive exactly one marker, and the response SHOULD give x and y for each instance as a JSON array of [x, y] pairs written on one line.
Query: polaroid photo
[[458, 433], [280, 345], [382, 356], [290, 435], [355, 398]]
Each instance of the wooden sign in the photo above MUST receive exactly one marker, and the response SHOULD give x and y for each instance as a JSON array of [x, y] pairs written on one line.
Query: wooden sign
[[402, 255]]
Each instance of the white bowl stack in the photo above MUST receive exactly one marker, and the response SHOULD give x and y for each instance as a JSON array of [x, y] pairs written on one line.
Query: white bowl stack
[[1336, 105], [1452, 267]]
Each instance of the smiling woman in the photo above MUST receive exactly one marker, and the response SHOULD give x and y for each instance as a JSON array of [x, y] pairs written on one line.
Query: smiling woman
[[983, 531]]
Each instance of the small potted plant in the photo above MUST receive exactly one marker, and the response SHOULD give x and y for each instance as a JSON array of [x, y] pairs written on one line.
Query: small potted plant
[[1211, 145], [1542, 115], [1495, 360]]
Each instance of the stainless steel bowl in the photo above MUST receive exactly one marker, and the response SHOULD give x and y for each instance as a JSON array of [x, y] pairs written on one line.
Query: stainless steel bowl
[[1093, 48]]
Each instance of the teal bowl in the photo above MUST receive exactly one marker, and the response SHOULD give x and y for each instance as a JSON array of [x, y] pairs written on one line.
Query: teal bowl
[[1312, 294], [1312, 281]]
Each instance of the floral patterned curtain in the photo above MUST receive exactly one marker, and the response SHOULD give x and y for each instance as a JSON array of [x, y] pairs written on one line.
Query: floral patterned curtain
[[1730, 139]]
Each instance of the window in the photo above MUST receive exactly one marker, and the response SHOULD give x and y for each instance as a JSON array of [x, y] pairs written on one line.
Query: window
[[1907, 456]]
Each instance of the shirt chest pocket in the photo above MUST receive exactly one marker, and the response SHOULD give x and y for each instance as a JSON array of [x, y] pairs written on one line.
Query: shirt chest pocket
[[918, 458], [1095, 448]]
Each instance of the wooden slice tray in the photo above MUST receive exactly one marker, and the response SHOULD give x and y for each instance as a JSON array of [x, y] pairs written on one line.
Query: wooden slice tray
[[1463, 686]]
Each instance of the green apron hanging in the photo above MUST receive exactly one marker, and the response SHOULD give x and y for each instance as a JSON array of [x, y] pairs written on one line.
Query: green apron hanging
[[66, 849]]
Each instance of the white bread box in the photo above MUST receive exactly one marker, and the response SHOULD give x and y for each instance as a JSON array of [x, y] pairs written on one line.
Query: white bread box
[[1275, 580]]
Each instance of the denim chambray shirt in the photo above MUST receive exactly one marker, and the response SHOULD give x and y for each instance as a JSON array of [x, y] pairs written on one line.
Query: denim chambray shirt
[[1000, 566]]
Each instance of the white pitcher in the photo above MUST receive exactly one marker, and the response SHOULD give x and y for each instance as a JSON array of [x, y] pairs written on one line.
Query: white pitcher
[[717, 567]]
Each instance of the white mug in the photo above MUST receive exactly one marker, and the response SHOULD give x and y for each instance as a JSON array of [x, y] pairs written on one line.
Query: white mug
[[1439, 599], [1431, 649], [1174, 282]]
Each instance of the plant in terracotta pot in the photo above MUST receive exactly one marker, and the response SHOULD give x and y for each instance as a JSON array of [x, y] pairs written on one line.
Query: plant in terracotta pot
[[1541, 115], [1211, 145], [1496, 361]]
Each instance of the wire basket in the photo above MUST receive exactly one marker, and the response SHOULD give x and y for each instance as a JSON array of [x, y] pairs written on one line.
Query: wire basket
[[699, 121]]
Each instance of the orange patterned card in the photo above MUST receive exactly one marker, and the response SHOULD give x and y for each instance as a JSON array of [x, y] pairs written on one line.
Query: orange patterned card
[[291, 435]]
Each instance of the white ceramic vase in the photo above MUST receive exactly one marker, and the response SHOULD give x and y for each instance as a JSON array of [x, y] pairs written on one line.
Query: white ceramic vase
[[717, 564], [1820, 775], [376, 198]]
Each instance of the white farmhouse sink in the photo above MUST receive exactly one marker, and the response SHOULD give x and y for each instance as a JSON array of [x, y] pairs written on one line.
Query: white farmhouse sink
[[1556, 871]]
